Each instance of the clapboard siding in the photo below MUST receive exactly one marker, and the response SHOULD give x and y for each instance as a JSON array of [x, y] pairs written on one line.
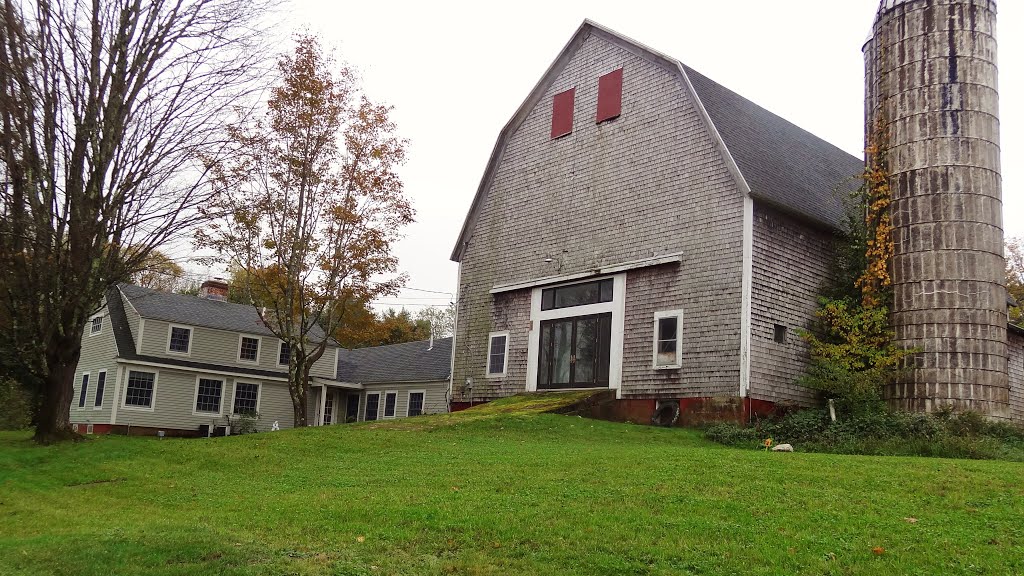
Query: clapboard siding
[[649, 183], [175, 399], [434, 401], [221, 347], [99, 352], [791, 263]]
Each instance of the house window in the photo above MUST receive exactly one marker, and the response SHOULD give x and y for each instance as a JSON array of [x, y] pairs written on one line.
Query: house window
[[139, 389], [372, 405], [561, 113], [249, 349], [246, 398], [82, 392], [780, 333], [96, 325], [101, 383], [179, 340], [581, 294], [415, 403], [328, 407], [390, 401], [609, 96], [497, 354], [208, 393], [284, 354], [667, 339]]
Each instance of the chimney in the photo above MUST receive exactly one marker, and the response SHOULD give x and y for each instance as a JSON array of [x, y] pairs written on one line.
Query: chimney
[[214, 289]]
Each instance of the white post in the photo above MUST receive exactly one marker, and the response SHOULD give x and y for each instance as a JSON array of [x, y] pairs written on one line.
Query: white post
[[323, 405]]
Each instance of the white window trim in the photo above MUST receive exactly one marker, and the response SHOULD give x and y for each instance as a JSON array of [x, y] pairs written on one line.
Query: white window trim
[[384, 405], [277, 361], [100, 331], [504, 366], [678, 315], [259, 349], [96, 389], [408, 398], [152, 401], [195, 395], [618, 309], [367, 404], [234, 390], [191, 339], [79, 405]]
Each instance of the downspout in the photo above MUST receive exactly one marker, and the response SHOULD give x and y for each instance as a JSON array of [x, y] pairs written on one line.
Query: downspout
[[455, 333]]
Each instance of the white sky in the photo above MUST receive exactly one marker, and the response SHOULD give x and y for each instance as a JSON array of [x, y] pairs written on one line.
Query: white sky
[[456, 73]]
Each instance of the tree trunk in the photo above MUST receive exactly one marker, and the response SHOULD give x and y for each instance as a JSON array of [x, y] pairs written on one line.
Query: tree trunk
[[54, 423], [298, 376]]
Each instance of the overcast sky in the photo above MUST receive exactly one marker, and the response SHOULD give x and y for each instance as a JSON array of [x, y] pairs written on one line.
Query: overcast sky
[[456, 73]]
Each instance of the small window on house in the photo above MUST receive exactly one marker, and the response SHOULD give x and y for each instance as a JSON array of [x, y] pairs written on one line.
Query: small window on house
[[390, 401], [96, 325], [609, 96], [139, 390], [372, 405], [84, 390], [668, 339], [415, 403], [179, 340], [246, 398], [208, 393], [284, 354], [580, 294], [561, 113], [101, 384], [249, 349], [780, 333], [497, 353]]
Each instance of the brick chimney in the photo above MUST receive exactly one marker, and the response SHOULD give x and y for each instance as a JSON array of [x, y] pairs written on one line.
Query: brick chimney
[[214, 289]]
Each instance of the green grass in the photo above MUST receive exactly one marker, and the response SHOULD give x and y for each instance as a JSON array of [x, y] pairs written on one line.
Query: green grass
[[500, 490]]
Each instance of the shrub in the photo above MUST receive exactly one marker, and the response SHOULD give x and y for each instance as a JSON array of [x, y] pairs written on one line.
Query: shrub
[[15, 406], [244, 423]]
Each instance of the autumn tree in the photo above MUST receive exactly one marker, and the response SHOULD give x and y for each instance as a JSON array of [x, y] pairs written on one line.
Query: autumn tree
[[1015, 277], [313, 205], [110, 113], [159, 272]]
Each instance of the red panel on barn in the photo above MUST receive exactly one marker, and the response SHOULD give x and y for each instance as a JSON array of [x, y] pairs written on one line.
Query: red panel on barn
[[609, 96], [561, 113]]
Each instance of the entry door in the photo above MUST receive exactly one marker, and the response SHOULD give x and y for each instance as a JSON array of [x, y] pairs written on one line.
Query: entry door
[[352, 408], [575, 352]]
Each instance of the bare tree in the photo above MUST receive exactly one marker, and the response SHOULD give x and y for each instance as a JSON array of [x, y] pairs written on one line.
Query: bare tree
[[313, 204], [111, 115]]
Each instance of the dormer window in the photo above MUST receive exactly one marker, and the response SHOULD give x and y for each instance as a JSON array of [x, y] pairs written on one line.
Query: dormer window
[[179, 340], [284, 355], [248, 349]]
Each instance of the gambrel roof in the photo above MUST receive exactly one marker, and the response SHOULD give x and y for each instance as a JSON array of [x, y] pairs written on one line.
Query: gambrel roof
[[771, 159]]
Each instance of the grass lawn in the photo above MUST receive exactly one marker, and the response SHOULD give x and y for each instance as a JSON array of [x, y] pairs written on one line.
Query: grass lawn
[[498, 491]]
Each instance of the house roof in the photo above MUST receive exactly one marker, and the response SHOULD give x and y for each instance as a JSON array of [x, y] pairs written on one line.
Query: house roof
[[772, 159], [126, 343], [194, 311], [408, 362]]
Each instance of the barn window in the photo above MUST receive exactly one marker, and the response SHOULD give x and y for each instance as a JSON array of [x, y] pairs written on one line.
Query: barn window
[[561, 113], [668, 339], [497, 354], [609, 96], [780, 333]]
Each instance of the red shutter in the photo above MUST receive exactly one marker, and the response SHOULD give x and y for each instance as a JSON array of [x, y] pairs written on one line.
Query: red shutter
[[609, 96], [561, 113]]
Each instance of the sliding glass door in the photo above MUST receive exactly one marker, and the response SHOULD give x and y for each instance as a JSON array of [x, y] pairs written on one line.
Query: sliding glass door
[[574, 352]]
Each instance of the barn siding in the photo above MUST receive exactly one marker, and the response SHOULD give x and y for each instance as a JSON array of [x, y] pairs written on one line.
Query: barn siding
[[791, 263], [649, 183], [1016, 365]]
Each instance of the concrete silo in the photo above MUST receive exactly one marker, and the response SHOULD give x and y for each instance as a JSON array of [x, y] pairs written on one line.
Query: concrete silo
[[931, 77]]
